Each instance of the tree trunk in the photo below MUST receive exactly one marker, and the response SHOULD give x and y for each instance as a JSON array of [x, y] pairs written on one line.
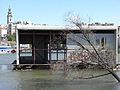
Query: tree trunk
[[114, 75]]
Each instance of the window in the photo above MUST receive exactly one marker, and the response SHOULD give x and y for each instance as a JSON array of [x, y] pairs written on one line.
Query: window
[[25, 50], [101, 42], [98, 42], [57, 52]]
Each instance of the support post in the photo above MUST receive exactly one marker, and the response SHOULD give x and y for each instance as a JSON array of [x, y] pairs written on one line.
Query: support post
[[65, 47], [57, 51], [18, 46], [33, 47], [117, 59], [50, 47]]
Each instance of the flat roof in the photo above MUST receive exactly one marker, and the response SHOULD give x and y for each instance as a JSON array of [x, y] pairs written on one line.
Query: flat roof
[[47, 27]]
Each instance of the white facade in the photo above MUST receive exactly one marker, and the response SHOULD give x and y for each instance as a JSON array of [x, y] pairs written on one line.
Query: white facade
[[3, 32]]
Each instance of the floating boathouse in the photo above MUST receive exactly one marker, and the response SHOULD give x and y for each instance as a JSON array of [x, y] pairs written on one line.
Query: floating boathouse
[[50, 43]]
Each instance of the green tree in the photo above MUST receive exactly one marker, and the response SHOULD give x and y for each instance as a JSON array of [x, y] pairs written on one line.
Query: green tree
[[11, 38]]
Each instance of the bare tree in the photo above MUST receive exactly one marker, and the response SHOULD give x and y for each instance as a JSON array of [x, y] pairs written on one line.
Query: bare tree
[[101, 56]]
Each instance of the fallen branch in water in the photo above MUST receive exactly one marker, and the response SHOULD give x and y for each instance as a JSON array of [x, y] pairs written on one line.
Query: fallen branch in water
[[95, 76]]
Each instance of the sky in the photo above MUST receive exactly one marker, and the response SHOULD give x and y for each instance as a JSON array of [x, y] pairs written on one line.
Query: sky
[[54, 12]]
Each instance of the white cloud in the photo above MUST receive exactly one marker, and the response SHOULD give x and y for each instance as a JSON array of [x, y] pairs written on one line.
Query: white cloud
[[114, 18]]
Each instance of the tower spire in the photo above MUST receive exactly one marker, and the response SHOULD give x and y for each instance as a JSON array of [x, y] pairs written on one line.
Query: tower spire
[[9, 21], [9, 16]]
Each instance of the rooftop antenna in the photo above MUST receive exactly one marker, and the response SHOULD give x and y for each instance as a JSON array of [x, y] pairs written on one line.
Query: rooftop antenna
[[89, 22]]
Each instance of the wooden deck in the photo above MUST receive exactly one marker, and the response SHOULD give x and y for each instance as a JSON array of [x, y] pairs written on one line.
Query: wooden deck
[[30, 64], [51, 65]]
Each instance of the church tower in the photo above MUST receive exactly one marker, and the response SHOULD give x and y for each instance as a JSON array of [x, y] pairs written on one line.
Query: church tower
[[9, 22], [9, 16]]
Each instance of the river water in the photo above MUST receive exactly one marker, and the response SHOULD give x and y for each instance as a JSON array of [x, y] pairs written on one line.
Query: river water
[[47, 80]]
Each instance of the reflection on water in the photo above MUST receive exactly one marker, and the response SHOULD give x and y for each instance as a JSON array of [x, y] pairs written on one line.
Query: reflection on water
[[46, 80], [7, 58], [4, 67]]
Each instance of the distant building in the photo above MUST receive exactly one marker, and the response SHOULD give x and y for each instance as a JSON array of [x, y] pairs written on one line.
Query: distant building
[[3, 32], [11, 26]]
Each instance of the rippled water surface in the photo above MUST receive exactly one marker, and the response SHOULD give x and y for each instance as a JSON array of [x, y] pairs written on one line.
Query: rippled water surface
[[47, 80], [7, 58]]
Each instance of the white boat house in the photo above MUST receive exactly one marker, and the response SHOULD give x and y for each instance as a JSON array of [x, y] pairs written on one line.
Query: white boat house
[[49, 43]]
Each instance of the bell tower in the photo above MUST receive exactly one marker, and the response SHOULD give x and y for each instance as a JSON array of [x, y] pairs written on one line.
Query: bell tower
[[9, 22], [9, 16]]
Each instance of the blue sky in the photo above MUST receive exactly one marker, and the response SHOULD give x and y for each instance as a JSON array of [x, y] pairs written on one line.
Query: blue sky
[[53, 12]]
